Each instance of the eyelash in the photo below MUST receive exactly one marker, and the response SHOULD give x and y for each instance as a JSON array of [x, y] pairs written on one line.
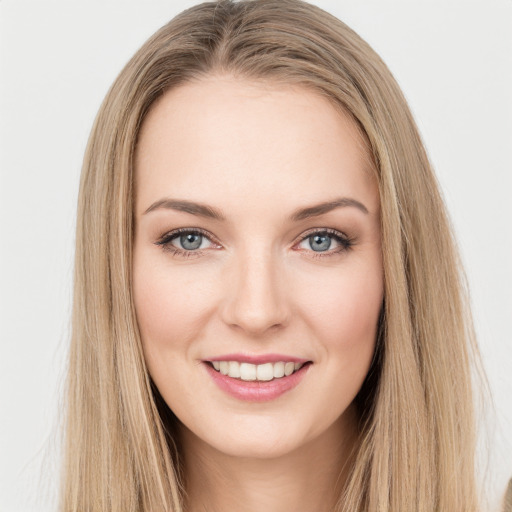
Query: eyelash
[[165, 241], [346, 242]]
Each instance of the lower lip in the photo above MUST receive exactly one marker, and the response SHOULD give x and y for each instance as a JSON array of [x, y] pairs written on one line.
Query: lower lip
[[257, 391]]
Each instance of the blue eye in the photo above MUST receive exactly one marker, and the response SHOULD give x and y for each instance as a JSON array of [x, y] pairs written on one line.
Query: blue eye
[[188, 242], [191, 241], [185, 241], [320, 243], [325, 241]]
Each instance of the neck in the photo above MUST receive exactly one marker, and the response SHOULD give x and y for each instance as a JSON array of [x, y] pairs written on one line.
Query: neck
[[310, 477]]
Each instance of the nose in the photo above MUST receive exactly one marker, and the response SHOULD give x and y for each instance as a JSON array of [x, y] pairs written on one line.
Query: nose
[[255, 295]]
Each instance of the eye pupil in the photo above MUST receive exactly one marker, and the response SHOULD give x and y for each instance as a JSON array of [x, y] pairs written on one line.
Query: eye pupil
[[191, 241], [320, 243]]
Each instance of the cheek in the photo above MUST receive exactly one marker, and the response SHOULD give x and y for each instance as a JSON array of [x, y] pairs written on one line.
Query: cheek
[[343, 311], [171, 305]]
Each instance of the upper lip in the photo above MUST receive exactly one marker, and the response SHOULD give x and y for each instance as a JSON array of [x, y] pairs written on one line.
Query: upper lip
[[258, 359]]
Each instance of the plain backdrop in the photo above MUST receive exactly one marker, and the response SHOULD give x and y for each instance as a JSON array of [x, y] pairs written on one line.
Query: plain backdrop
[[453, 59]]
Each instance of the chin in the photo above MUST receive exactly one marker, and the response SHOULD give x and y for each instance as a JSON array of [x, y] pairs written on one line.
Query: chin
[[258, 438], [262, 437], [259, 447]]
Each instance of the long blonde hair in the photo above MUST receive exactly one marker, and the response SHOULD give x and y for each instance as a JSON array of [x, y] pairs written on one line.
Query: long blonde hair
[[417, 436]]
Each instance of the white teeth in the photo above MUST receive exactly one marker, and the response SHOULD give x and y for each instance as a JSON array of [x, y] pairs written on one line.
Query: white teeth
[[234, 369], [278, 370], [247, 371], [265, 371], [224, 367], [288, 368], [261, 372]]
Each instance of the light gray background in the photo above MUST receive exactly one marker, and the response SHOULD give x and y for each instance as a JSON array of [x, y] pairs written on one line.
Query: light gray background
[[57, 60]]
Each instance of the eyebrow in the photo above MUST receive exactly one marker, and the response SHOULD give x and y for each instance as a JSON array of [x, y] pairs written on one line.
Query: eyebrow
[[320, 209], [204, 210]]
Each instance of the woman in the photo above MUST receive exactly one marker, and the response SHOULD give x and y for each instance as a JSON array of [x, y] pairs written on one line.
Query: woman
[[268, 307]]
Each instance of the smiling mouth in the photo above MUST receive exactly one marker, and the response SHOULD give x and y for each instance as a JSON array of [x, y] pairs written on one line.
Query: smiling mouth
[[256, 372]]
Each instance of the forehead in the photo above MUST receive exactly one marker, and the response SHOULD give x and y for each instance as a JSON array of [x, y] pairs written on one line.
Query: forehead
[[223, 138]]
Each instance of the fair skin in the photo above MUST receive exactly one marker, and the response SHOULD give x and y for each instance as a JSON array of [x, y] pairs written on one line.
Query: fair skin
[[260, 276]]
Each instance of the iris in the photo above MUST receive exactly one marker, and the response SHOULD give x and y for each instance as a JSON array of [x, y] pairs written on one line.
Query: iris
[[320, 242], [191, 241]]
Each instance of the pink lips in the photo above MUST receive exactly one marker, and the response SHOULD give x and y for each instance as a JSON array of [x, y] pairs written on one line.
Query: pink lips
[[256, 391]]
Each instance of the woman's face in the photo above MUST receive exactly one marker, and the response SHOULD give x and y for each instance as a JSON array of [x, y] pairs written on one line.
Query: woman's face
[[257, 253]]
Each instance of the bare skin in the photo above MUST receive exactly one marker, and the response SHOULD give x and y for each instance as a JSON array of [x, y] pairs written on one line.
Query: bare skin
[[257, 233], [217, 482]]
